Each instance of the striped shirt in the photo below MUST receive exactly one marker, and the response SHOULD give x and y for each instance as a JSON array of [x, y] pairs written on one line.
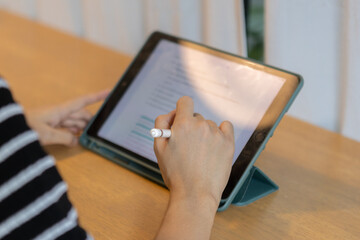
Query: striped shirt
[[33, 197]]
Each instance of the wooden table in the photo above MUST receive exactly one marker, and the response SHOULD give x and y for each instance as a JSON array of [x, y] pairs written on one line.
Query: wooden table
[[318, 171]]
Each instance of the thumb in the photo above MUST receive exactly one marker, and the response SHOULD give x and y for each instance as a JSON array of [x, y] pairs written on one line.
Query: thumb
[[58, 136]]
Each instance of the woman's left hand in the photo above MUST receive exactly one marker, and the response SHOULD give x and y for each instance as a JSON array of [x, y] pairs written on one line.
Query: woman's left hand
[[61, 124]]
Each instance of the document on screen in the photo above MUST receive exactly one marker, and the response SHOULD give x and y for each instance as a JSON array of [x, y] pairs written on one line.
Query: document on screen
[[221, 90]]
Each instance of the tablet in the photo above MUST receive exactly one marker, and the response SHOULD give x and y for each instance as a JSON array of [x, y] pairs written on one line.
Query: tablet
[[223, 86]]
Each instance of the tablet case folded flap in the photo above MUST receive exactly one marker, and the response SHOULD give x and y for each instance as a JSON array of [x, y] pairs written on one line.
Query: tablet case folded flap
[[256, 186]]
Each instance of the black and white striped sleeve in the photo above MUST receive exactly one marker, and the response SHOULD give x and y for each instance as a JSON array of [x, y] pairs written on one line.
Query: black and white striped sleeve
[[33, 197]]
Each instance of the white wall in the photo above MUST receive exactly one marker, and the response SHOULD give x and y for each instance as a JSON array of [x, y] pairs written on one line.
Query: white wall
[[350, 70], [124, 25], [320, 40]]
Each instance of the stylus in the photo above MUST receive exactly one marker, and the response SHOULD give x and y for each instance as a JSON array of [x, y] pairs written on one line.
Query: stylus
[[155, 133]]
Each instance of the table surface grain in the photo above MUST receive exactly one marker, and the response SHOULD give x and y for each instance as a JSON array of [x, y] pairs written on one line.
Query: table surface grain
[[318, 171]]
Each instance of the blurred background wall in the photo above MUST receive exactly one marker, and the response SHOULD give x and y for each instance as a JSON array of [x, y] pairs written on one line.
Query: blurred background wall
[[124, 25], [320, 39]]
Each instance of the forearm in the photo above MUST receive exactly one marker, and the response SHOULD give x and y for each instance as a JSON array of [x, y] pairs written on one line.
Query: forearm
[[188, 218], [195, 163]]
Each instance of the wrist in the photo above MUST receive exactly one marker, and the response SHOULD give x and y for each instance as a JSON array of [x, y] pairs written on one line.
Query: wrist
[[205, 203], [188, 217]]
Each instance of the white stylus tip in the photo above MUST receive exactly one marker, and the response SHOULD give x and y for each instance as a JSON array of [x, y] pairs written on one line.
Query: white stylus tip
[[155, 132]]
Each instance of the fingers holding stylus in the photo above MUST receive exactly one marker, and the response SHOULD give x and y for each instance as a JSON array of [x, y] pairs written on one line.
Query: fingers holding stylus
[[163, 122], [183, 113]]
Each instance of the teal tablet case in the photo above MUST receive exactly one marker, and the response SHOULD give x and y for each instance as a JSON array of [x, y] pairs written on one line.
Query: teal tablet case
[[122, 159], [253, 185], [256, 186]]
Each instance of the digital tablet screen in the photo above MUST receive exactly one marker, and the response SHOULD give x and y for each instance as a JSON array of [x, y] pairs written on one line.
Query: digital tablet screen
[[222, 86], [221, 90]]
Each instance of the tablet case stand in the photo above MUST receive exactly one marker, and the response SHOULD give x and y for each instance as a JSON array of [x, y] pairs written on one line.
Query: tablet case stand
[[256, 186]]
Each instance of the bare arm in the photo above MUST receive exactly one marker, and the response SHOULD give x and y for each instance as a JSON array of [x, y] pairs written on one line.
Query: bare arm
[[195, 164]]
